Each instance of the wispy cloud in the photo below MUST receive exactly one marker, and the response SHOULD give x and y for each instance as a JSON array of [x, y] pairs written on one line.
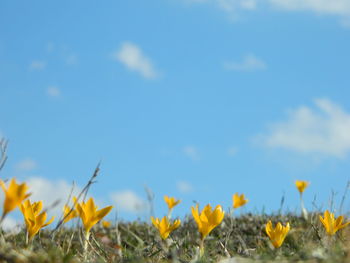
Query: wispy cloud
[[26, 165], [339, 8], [50, 191], [232, 151], [131, 56], [321, 130], [129, 201], [191, 152], [184, 187], [71, 59], [11, 225], [53, 91], [249, 63], [231, 7], [333, 7], [63, 52], [345, 22], [37, 65], [50, 47]]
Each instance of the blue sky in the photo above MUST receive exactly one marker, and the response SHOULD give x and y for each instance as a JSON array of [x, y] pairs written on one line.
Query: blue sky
[[195, 99]]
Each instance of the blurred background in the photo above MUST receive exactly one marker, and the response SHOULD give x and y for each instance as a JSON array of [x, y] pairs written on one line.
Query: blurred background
[[196, 99]]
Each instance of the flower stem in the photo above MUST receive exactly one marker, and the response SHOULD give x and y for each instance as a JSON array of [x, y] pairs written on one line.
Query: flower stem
[[169, 213], [86, 242], [27, 238], [201, 247], [303, 209], [232, 210]]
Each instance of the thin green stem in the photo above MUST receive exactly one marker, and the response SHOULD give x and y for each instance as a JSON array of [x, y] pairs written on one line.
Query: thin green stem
[[170, 211], [201, 247], [86, 242], [303, 209], [27, 238]]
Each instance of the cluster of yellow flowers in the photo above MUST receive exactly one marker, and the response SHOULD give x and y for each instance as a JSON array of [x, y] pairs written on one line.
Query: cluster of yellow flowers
[[209, 218], [164, 226], [16, 195], [35, 219]]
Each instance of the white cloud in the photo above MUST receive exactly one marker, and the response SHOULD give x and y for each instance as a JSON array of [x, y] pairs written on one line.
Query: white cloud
[[71, 59], [53, 91], [329, 7], [50, 191], [129, 201], [11, 225], [345, 22], [191, 152], [37, 65], [324, 130], [232, 151], [197, 1], [26, 165], [50, 47], [234, 8], [248, 4], [131, 56], [231, 6], [250, 63], [184, 187]]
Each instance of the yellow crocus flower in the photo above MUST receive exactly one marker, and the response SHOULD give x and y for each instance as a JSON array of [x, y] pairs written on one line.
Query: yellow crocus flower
[[277, 234], [331, 224], [301, 185], [208, 219], [171, 201], [15, 194], [164, 226], [106, 224], [33, 219], [89, 214], [239, 200]]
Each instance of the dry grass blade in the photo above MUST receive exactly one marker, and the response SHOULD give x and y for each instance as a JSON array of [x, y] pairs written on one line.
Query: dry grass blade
[[83, 192], [3, 151]]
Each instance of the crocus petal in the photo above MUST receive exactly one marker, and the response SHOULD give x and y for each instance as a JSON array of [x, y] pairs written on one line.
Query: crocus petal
[[344, 225], [155, 222], [195, 214], [277, 234], [89, 214], [337, 223], [208, 219], [217, 215], [268, 228], [49, 222], [90, 207], [176, 224], [103, 212], [164, 226], [41, 218], [2, 184]]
